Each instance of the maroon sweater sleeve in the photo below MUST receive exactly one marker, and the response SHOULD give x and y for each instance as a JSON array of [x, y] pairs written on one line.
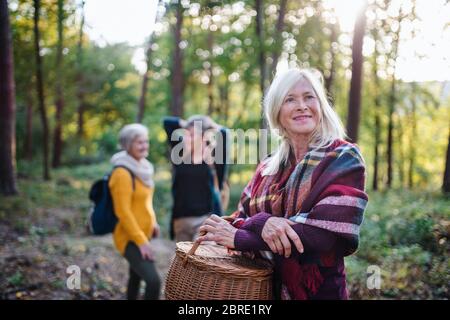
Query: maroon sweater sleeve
[[314, 239], [246, 240]]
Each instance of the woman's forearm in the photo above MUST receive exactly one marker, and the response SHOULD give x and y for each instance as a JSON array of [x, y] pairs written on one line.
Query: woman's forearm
[[313, 239], [246, 240]]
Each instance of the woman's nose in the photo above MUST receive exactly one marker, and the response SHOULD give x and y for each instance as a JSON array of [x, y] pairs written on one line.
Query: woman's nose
[[301, 106]]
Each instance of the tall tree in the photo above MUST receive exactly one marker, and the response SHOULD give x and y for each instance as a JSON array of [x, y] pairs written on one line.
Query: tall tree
[[446, 184], [413, 138], [225, 101], [141, 104], [40, 90], [80, 79], [401, 153], [28, 141], [278, 38], [7, 105], [354, 104], [210, 73], [176, 107], [378, 106], [57, 139], [259, 8], [333, 51], [392, 100], [145, 76]]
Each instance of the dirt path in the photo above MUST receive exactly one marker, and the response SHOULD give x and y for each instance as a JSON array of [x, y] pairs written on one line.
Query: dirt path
[[34, 264]]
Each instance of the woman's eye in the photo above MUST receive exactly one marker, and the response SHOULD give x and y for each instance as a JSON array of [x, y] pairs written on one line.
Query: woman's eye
[[289, 100], [309, 97]]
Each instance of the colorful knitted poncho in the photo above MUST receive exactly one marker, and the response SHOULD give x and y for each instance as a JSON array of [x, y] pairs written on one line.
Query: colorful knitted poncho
[[324, 194]]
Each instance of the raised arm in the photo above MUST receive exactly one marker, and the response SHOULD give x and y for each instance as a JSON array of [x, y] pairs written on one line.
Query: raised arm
[[170, 125]]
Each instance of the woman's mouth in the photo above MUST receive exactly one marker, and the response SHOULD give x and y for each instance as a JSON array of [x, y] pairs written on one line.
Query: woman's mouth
[[301, 117]]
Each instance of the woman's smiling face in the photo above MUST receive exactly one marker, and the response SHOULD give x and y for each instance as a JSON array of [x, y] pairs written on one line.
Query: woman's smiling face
[[300, 111], [139, 147]]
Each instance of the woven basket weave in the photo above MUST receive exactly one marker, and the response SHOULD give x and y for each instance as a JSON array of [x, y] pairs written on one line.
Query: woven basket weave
[[210, 273]]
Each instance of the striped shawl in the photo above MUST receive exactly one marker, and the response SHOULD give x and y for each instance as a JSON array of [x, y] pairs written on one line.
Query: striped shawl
[[324, 190]]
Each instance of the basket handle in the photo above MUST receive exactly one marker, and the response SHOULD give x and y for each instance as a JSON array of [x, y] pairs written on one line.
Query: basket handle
[[196, 244]]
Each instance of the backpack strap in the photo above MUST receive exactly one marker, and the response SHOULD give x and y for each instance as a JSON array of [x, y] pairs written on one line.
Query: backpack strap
[[131, 173]]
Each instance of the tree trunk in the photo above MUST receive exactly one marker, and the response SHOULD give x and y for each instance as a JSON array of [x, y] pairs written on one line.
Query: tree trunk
[[80, 82], [412, 140], [390, 144], [210, 74], [145, 77], [259, 7], [225, 102], [177, 67], [57, 139], [7, 106], [392, 102], [377, 102], [401, 153], [377, 128], [330, 79], [278, 38], [377, 144], [446, 184], [241, 111], [354, 105], [141, 105], [40, 91], [28, 141]]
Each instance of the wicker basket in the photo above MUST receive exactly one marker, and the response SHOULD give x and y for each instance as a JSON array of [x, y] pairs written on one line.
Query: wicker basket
[[210, 273]]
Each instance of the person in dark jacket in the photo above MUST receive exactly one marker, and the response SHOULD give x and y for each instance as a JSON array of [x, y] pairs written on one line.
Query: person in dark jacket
[[198, 154]]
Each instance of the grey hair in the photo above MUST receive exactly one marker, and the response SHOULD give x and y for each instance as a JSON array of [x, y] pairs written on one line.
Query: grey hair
[[130, 132], [205, 122], [328, 129]]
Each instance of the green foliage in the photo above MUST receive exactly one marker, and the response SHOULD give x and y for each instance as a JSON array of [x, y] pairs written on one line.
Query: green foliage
[[405, 233], [16, 279], [229, 45]]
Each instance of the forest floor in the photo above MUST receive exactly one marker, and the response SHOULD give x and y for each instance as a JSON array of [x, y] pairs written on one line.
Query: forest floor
[[42, 233], [36, 266]]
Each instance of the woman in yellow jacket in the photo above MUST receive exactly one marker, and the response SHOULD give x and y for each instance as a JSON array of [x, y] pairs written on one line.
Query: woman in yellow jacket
[[132, 198]]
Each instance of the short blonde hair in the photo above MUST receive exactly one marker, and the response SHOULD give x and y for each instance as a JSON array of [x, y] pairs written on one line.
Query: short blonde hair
[[130, 132], [328, 129]]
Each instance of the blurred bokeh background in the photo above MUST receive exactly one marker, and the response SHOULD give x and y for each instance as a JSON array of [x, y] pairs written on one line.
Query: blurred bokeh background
[[80, 70]]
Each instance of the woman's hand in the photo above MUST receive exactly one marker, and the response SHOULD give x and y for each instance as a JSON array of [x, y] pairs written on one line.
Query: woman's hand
[[218, 230], [146, 251], [277, 232]]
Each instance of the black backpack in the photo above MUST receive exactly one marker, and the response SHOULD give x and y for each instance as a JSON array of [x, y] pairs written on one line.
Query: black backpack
[[102, 219]]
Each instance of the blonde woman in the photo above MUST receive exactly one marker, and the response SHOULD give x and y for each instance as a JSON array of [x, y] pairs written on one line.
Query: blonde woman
[[305, 202], [132, 190]]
